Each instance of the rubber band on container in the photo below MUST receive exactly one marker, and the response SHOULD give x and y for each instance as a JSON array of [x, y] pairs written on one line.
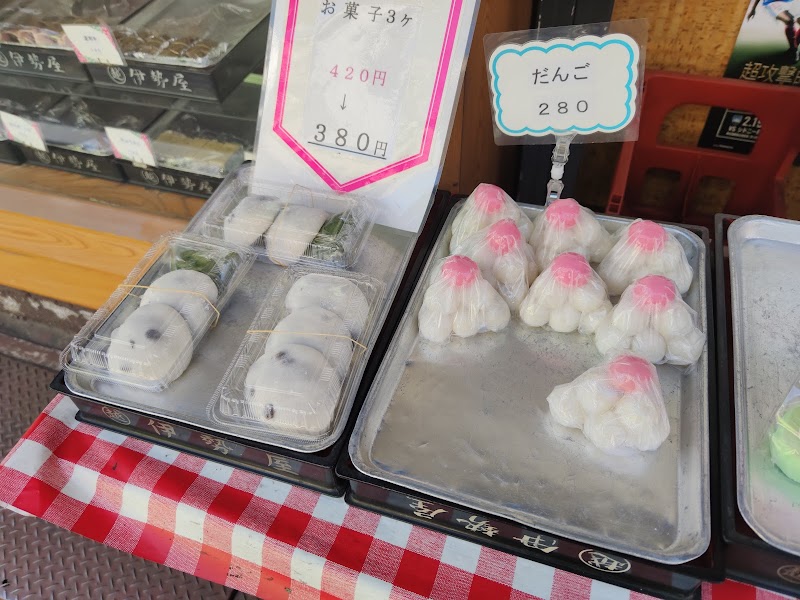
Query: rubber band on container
[[190, 292], [334, 335]]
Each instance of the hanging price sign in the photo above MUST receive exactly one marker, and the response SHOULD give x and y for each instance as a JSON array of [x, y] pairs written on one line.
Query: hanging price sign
[[584, 85], [23, 131]]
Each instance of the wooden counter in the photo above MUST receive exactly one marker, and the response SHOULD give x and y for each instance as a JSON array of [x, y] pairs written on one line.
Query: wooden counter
[[74, 238]]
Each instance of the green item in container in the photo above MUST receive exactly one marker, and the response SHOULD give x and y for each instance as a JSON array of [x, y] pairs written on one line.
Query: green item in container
[[784, 442], [329, 243], [215, 268]]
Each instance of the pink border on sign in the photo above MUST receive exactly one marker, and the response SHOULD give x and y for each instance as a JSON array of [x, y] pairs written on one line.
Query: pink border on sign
[[430, 123]]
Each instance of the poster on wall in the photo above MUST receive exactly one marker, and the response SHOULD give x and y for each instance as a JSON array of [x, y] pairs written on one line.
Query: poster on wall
[[767, 50]]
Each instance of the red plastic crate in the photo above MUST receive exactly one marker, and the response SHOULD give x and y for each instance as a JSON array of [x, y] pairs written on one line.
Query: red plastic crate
[[757, 178]]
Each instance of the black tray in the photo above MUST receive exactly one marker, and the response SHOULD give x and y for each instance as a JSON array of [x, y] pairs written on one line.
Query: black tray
[[104, 167], [748, 558], [42, 62], [315, 471], [51, 85], [170, 180], [663, 581], [9, 153], [187, 182], [212, 83], [676, 582]]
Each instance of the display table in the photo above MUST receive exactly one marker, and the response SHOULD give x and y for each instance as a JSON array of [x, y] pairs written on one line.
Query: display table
[[259, 535]]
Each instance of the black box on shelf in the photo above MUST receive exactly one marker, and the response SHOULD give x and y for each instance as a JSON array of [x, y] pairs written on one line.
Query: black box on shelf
[[9, 153], [748, 558], [104, 167], [170, 180], [23, 102], [50, 85], [212, 83], [42, 62], [73, 145], [678, 582], [194, 152], [317, 470]]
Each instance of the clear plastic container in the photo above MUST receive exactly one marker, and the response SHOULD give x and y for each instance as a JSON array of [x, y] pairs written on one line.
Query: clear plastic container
[[79, 123], [296, 373], [26, 103], [189, 33], [211, 145], [145, 334], [37, 23], [289, 224], [784, 436]]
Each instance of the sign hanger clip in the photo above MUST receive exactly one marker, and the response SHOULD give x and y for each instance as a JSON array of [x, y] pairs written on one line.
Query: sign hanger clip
[[560, 156]]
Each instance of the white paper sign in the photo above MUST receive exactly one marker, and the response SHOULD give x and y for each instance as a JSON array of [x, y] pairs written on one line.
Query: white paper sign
[[131, 145], [358, 88], [584, 85], [94, 44], [358, 98], [23, 131]]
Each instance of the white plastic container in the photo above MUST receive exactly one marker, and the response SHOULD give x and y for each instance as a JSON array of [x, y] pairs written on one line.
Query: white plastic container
[[296, 373], [289, 225], [145, 334]]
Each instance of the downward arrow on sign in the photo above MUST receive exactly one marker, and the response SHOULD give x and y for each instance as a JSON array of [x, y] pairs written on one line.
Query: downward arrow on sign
[[344, 101]]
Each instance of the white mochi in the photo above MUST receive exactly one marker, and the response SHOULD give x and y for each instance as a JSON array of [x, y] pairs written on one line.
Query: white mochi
[[250, 219], [154, 343], [198, 310]]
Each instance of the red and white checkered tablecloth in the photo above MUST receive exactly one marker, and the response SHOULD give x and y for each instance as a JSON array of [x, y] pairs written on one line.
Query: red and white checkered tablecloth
[[256, 534]]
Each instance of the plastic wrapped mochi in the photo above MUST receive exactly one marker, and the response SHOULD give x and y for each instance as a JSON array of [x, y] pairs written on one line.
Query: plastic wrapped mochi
[[645, 248], [569, 295], [566, 226], [784, 435], [487, 205], [460, 302], [505, 258], [652, 320], [618, 405]]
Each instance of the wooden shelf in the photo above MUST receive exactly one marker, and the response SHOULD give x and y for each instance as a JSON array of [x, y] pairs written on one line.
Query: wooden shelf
[[75, 238], [39, 184]]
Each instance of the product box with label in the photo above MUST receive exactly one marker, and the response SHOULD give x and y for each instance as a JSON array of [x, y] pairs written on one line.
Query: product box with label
[[186, 48], [73, 137], [23, 104], [33, 41], [196, 147]]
